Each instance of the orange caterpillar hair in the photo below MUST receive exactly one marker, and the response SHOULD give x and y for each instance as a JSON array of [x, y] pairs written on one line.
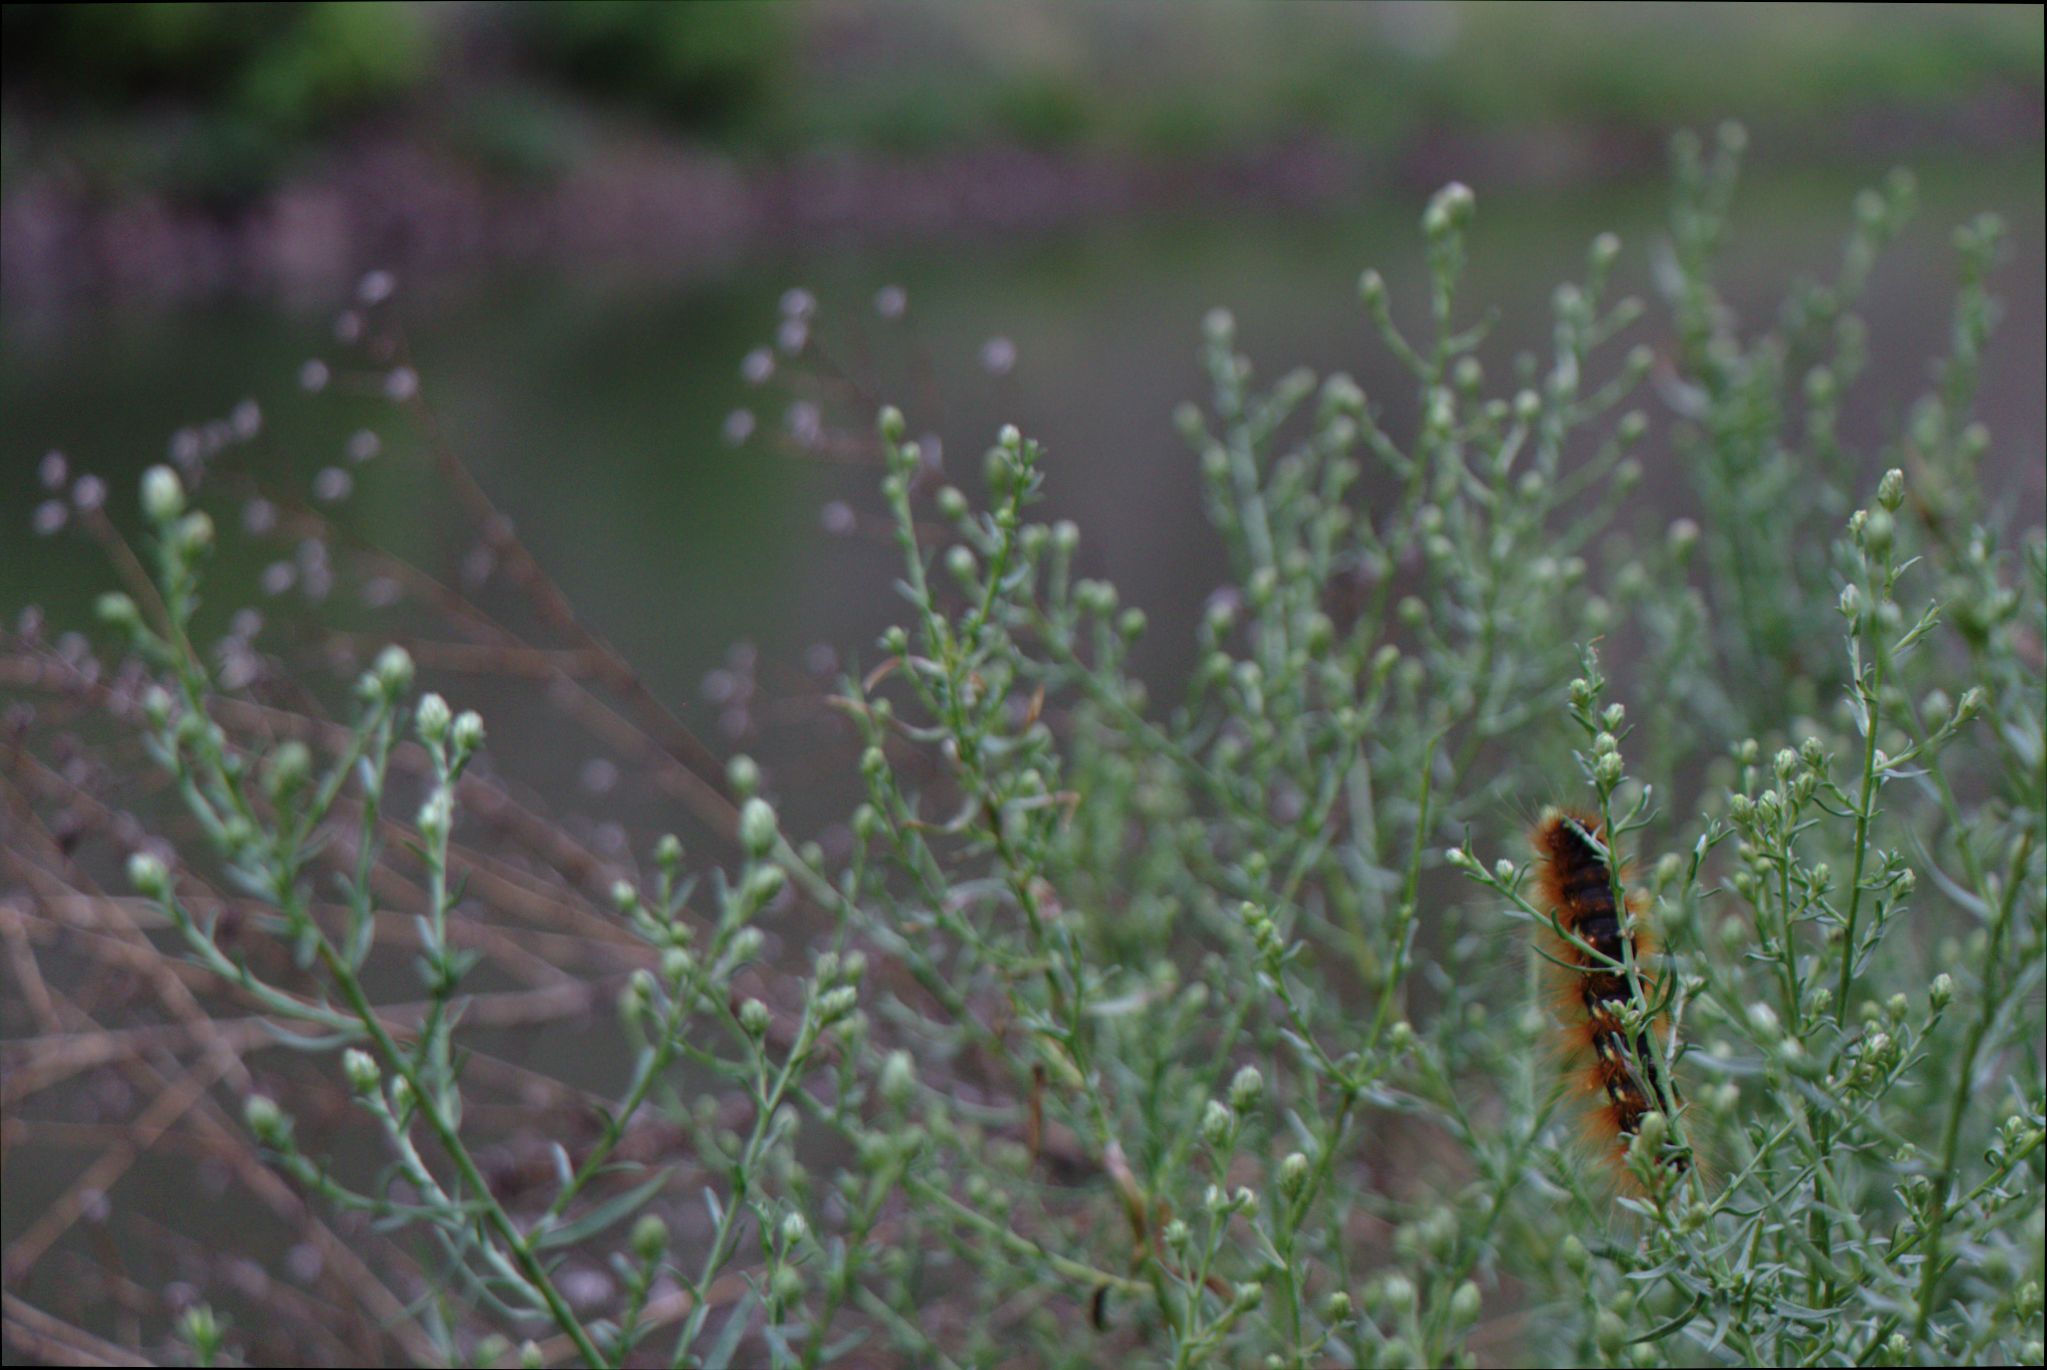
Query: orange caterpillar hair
[[1575, 884]]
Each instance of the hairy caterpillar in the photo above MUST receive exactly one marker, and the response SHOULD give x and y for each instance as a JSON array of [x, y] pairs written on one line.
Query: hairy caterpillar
[[1575, 884]]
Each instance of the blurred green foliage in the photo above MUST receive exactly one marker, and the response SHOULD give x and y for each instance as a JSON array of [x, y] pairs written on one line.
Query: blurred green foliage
[[703, 66], [218, 99], [244, 86]]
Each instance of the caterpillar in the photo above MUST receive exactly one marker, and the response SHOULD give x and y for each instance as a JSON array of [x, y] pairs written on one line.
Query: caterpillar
[[1576, 885]]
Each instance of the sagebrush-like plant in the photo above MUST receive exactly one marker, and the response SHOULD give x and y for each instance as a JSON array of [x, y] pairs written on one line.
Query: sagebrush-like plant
[[1214, 1028]]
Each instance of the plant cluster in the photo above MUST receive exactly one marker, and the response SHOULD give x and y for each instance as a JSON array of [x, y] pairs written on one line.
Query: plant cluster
[[1201, 1026]]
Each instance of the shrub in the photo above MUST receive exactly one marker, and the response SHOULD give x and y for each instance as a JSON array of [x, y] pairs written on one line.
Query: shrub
[[1219, 1028]]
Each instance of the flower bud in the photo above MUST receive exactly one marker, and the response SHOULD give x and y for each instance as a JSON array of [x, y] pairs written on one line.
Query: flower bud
[[466, 732], [650, 1237], [432, 719], [1939, 994], [437, 815], [757, 828], [266, 1120], [1246, 1088], [163, 496], [898, 1078], [149, 876], [1464, 1304], [1450, 209], [1609, 1332], [393, 671], [1215, 1125], [359, 1068], [763, 883], [668, 853]]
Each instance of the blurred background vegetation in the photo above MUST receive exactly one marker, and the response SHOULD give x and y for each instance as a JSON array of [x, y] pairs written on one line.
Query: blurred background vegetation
[[222, 100], [595, 207]]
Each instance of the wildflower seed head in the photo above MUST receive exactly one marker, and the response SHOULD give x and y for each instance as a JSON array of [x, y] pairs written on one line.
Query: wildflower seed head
[[1890, 491], [1879, 530], [744, 776], [1465, 1304]]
